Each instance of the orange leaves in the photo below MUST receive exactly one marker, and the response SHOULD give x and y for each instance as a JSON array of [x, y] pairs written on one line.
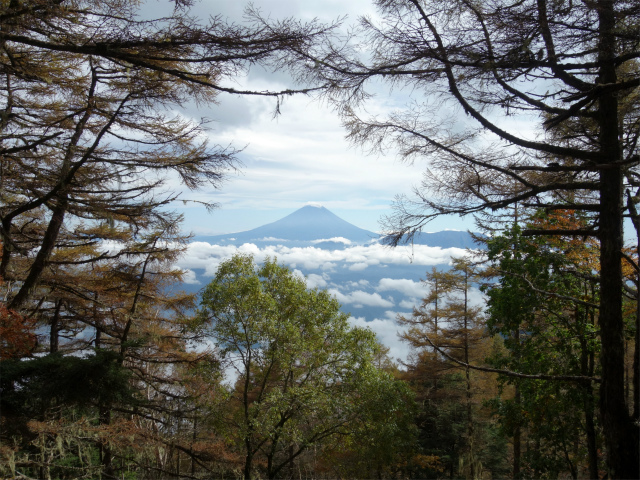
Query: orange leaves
[[582, 252], [430, 462]]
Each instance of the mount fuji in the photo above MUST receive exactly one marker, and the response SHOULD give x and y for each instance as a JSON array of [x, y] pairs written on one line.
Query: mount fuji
[[326, 230]]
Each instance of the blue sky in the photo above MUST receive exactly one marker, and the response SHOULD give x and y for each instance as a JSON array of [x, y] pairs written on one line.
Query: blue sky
[[301, 156]]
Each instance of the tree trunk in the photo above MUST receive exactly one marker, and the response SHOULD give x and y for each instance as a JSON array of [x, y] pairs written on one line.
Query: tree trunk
[[55, 328], [248, 460], [470, 426], [620, 435], [40, 262], [517, 435], [636, 350], [588, 369], [106, 457]]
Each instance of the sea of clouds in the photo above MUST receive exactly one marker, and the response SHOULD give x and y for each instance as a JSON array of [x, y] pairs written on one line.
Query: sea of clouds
[[375, 283]]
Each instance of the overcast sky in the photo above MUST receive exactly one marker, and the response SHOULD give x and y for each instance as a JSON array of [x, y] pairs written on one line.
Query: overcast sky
[[300, 157]]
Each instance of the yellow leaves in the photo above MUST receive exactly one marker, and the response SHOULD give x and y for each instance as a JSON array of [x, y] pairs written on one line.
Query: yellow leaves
[[628, 268]]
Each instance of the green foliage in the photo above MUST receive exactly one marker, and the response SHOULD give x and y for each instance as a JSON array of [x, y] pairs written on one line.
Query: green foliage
[[544, 307], [383, 439], [49, 409], [303, 374], [444, 330]]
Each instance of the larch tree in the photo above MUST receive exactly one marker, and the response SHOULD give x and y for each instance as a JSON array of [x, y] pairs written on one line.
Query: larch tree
[[447, 327], [88, 137], [562, 66]]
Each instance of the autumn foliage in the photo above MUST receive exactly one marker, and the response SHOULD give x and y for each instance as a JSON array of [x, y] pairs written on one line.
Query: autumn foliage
[[17, 336], [17, 333]]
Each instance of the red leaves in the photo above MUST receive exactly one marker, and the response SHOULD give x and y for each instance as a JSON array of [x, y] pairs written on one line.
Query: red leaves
[[17, 337]]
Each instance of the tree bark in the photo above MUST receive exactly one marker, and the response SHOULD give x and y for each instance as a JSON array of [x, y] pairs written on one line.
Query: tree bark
[[39, 263], [55, 328], [517, 438], [620, 435]]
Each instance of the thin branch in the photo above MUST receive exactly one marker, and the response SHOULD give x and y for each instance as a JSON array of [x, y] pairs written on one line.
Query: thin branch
[[509, 373]]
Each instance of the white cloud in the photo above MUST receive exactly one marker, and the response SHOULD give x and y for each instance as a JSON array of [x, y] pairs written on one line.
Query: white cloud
[[360, 298], [403, 285], [407, 304], [271, 239], [476, 297], [207, 256], [189, 277], [317, 281], [393, 315], [357, 267], [346, 241]]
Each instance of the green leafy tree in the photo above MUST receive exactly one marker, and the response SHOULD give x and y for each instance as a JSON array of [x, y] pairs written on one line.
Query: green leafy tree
[[304, 375], [544, 305], [383, 440]]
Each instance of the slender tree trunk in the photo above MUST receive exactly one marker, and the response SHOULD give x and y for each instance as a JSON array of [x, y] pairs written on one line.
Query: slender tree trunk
[[587, 366], [621, 436], [636, 349], [40, 262], [248, 460], [291, 465], [470, 429], [635, 217], [106, 456], [7, 247], [104, 418], [435, 323], [517, 433], [517, 436], [193, 441], [54, 328]]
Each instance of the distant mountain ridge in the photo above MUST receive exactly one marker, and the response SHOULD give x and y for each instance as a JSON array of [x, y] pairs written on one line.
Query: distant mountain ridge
[[373, 283], [444, 239], [326, 230]]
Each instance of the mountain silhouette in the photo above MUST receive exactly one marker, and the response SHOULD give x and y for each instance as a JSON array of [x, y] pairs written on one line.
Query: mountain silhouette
[[444, 239], [307, 224], [317, 226]]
